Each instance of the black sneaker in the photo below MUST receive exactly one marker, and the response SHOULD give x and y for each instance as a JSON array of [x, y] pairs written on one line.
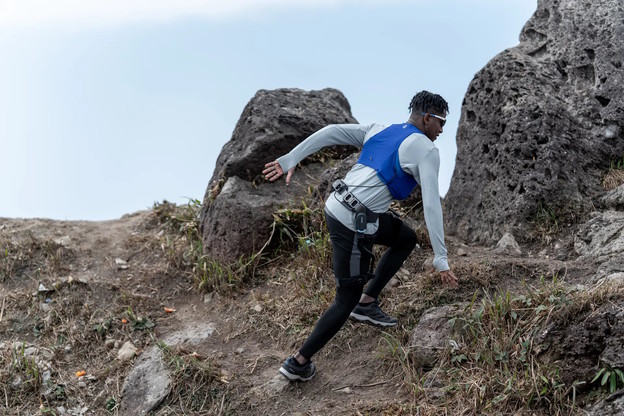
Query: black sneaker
[[372, 314], [292, 370]]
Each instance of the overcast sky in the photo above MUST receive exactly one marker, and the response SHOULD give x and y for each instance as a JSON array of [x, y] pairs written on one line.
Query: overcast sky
[[109, 106]]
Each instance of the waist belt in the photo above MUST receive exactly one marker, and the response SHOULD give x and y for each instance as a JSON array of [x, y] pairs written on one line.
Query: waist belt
[[364, 215]]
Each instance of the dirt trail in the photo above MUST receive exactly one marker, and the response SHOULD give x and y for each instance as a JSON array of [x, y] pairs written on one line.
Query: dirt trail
[[123, 273]]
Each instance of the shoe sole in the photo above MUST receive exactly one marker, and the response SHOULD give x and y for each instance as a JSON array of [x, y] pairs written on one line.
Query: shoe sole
[[293, 377], [371, 321]]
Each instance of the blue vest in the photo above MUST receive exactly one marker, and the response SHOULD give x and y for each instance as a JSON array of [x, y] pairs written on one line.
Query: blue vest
[[381, 152]]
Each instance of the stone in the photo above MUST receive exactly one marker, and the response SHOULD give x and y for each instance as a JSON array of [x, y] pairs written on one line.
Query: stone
[[194, 334], [394, 282], [276, 385], [613, 405], [238, 207], [540, 123], [461, 252], [127, 351], [614, 199], [508, 245], [433, 334], [601, 240], [146, 386]]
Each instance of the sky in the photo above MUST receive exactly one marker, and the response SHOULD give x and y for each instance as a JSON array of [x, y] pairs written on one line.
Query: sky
[[108, 106]]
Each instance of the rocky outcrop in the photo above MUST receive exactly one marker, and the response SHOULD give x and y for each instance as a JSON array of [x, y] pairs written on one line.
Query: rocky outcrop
[[238, 205], [580, 347], [541, 122]]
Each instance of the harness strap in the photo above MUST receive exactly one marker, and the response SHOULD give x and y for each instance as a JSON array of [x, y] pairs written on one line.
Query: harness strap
[[350, 201]]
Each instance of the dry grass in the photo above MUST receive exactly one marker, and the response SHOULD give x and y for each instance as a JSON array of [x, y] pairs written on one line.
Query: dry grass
[[197, 386], [494, 369], [32, 258], [613, 179]]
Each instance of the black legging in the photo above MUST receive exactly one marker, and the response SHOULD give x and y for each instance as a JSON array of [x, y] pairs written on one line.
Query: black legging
[[350, 263]]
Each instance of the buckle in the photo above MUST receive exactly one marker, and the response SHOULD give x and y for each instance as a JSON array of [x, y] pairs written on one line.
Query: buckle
[[339, 186]]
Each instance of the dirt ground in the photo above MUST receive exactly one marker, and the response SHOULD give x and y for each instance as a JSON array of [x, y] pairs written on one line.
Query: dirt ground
[[76, 291]]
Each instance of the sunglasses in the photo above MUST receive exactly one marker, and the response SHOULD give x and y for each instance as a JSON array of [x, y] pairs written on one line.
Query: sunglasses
[[442, 119]]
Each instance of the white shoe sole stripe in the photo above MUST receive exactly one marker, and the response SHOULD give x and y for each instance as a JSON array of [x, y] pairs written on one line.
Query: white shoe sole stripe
[[364, 318], [291, 376]]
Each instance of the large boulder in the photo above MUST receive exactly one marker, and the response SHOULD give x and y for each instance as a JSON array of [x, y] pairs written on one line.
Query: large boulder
[[541, 122], [238, 208], [272, 123]]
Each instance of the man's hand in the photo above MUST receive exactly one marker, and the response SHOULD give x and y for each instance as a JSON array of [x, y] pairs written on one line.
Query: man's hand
[[449, 279], [273, 171]]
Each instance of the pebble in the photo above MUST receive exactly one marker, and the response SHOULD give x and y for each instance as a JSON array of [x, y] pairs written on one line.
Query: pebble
[[257, 308], [82, 384], [126, 352]]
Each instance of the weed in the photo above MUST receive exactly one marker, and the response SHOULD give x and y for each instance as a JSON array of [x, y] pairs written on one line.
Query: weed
[[197, 384], [20, 376], [183, 248], [614, 376], [33, 258], [498, 335]]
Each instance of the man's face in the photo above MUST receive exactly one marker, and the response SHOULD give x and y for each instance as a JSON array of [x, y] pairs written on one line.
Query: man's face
[[434, 123]]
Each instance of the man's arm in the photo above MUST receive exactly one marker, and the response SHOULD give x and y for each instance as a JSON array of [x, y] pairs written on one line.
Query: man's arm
[[420, 158], [334, 134]]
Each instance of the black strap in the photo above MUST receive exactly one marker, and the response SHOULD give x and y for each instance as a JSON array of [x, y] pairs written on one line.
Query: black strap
[[359, 280], [350, 201]]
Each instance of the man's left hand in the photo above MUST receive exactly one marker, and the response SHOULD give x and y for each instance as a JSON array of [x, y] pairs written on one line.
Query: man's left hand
[[449, 279]]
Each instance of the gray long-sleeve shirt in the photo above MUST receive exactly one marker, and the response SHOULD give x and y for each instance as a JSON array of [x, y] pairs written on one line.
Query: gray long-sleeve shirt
[[418, 156]]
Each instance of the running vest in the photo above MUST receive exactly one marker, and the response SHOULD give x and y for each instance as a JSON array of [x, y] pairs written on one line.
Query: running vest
[[381, 152]]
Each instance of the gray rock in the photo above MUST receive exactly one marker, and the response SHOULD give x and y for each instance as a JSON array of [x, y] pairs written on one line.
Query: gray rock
[[508, 245], [611, 406], [271, 388], [580, 347], [194, 334], [147, 384], [540, 122], [272, 123], [237, 212], [127, 351], [614, 199], [601, 240], [433, 334]]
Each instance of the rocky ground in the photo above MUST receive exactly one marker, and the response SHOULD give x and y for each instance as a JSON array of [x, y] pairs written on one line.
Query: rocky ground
[[105, 318]]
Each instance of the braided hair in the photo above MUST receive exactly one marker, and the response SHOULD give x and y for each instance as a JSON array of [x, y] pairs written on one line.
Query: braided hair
[[425, 101]]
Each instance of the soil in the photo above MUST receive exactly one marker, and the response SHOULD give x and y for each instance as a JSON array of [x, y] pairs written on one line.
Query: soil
[[107, 282]]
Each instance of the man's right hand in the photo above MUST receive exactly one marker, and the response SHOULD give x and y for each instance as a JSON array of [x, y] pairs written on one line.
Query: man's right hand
[[449, 279], [273, 171]]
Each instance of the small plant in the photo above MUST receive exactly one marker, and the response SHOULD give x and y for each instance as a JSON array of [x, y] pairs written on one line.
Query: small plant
[[111, 404], [138, 323], [614, 376]]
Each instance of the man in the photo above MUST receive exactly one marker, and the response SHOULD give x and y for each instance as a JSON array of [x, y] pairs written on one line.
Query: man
[[393, 161]]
